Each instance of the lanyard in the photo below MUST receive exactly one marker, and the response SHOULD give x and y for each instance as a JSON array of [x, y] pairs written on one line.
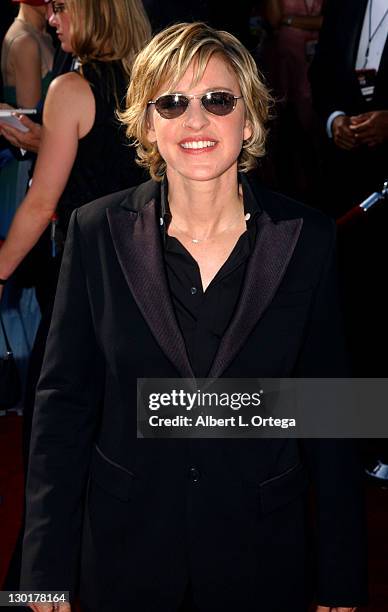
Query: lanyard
[[371, 34]]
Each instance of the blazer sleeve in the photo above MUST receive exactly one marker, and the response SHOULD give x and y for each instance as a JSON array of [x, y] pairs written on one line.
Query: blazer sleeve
[[334, 465], [66, 413]]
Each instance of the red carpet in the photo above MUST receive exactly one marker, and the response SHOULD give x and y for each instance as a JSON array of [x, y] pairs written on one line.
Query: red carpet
[[11, 492], [11, 486]]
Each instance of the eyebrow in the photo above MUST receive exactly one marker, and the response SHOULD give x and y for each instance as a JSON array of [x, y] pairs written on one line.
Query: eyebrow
[[207, 90]]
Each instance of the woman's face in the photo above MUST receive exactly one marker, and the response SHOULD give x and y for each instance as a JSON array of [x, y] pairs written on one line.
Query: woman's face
[[199, 145], [59, 18]]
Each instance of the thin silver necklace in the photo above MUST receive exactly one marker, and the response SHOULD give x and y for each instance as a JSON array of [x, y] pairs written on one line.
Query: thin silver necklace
[[247, 216]]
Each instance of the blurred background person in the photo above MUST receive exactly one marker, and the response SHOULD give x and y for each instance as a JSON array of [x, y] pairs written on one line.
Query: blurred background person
[[26, 63], [84, 153], [26, 68], [287, 56], [349, 78]]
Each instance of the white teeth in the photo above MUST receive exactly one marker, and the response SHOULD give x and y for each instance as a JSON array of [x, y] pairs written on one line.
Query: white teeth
[[198, 144]]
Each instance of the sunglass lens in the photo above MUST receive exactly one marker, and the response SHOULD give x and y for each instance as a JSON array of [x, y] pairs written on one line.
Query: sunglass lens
[[171, 106], [219, 102]]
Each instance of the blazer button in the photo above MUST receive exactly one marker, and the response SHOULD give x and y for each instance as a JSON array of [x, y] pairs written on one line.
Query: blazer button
[[194, 474]]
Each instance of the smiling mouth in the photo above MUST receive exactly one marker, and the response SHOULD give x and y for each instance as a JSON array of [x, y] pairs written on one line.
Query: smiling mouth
[[198, 144]]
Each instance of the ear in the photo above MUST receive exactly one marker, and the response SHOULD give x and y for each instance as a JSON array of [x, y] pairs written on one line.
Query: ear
[[151, 133], [247, 132]]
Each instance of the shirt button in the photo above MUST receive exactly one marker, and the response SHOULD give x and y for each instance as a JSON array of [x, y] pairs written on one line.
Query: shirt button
[[194, 474], [193, 290]]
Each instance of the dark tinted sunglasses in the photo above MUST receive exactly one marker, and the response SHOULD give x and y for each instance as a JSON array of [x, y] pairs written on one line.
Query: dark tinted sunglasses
[[171, 106]]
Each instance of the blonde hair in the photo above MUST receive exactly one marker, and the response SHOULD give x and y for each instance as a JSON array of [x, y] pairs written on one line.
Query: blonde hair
[[165, 60], [108, 30]]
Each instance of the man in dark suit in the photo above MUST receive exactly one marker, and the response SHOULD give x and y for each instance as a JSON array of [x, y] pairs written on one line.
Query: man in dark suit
[[349, 79]]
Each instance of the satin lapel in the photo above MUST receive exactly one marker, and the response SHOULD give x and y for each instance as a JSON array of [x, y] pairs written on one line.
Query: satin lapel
[[138, 247], [275, 244]]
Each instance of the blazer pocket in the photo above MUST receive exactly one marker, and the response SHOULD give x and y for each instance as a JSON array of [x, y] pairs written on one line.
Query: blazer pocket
[[284, 488], [288, 299], [111, 476]]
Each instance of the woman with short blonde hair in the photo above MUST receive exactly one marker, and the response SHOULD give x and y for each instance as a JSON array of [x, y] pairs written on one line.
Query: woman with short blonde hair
[[167, 58], [201, 274]]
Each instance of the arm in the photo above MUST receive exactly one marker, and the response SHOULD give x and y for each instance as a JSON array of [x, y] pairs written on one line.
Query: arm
[[66, 414], [68, 112], [30, 141], [303, 22]]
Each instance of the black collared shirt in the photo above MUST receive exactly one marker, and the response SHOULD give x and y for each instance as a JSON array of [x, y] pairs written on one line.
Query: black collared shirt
[[203, 316]]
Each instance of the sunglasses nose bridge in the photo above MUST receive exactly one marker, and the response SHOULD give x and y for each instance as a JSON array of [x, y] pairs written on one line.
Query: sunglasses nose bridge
[[195, 113]]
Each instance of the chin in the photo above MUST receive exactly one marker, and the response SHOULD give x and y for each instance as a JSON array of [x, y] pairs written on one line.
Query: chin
[[209, 172], [66, 47]]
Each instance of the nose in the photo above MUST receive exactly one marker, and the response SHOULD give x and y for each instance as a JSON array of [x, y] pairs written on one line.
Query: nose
[[51, 16], [195, 116]]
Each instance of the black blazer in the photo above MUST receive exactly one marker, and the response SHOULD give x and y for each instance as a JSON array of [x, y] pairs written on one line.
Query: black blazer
[[332, 74], [125, 517]]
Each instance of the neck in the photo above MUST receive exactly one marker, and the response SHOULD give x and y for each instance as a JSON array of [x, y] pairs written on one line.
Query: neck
[[202, 208], [34, 18]]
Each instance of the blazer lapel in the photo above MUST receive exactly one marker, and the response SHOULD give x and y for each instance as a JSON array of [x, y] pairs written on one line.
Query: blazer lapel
[[275, 244], [138, 247]]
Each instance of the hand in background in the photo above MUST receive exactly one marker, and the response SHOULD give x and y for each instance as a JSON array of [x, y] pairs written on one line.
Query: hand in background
[[370, 128], [30, 141], [343, 136], [59, 607]]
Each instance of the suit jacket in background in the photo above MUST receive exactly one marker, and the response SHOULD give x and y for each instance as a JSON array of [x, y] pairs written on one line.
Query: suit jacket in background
[[332, 74]]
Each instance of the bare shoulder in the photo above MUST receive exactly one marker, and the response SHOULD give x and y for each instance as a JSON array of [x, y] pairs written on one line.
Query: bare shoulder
[[69, 92], [70, 84], [70, 98], [23, 45]]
